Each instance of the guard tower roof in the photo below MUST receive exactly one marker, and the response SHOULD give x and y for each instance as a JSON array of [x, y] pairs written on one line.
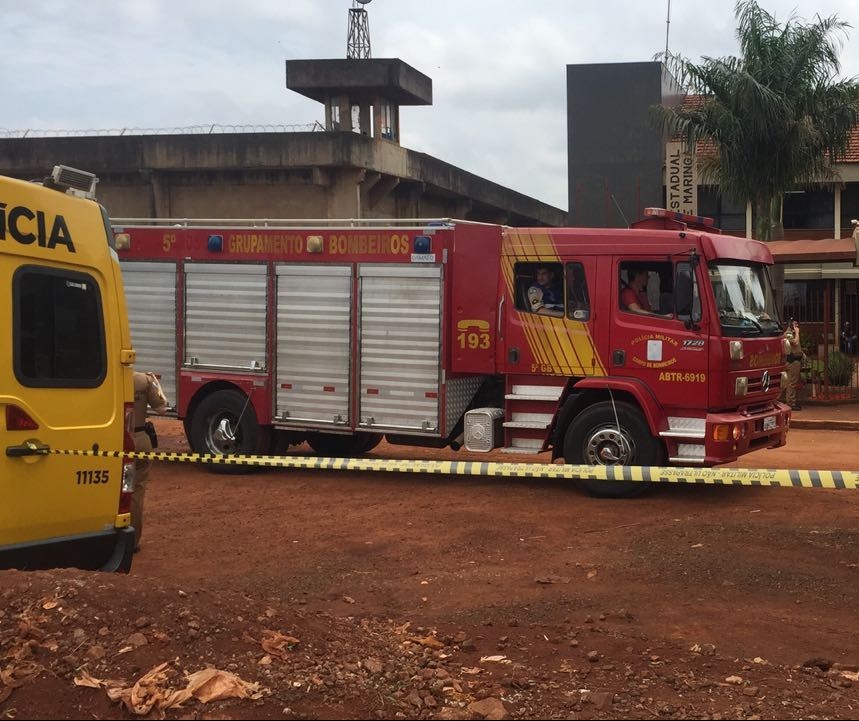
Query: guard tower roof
[[362, 80]]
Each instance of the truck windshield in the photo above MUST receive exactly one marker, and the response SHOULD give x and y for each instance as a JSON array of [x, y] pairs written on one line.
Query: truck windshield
[[744, 299]]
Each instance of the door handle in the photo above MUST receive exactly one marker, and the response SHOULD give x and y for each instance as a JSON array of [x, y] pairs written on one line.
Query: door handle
[[28, 448]]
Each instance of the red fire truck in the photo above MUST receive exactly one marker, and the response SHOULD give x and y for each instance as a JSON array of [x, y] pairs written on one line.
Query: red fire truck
[[644, 346]]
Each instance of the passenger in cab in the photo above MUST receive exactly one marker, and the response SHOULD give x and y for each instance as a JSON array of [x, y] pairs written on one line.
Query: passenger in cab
[[633, 297]]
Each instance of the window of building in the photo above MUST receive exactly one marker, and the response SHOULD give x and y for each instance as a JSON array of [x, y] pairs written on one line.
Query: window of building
[[849, 207], [728, 215], [58, 334], [803, 300], [387, 122], [334, 109], [811, 209]]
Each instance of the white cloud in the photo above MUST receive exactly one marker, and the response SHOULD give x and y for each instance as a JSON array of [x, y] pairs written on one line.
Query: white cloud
[[498, 69]]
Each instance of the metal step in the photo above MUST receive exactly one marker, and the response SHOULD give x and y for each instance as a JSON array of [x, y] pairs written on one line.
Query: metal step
[[691, 453], [523, 451], [521, 397], [537, 425], [534, 421], [524, 445], [681, 427], [547, 393]]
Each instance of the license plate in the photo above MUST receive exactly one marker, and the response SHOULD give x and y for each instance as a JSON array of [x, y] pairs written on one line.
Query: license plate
[[769, 423]]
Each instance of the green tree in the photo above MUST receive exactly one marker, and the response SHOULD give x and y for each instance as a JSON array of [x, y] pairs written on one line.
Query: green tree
[[778, 115]]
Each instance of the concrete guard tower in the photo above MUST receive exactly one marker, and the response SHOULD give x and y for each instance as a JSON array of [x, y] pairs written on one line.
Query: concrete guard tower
[[361, 96]]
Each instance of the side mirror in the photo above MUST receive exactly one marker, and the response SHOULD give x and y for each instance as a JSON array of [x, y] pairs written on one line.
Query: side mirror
[[695, 316], [684, 300]]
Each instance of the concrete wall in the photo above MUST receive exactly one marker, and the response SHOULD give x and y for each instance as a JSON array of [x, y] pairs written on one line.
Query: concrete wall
[[271, 175]]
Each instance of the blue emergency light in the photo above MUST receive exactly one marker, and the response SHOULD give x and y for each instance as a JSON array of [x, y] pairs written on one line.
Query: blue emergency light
[[216, 243], [422, 244]]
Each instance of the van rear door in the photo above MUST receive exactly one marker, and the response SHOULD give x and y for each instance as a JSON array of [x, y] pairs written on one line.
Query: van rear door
[[60, 388]]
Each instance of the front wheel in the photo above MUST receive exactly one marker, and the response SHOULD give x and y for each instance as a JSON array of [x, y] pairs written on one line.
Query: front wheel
[[598, 437], [225, 424]]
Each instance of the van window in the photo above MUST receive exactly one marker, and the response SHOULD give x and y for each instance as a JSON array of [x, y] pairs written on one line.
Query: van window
[[58, 335]]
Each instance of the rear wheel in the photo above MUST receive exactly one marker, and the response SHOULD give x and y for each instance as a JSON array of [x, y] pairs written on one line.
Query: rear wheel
[[335, 445], [597, 438], [225, 424]]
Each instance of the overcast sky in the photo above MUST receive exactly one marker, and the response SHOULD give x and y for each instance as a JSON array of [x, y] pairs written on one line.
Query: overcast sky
[[498, 68]]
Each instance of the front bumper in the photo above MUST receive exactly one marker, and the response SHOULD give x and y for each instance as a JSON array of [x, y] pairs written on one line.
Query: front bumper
[[108, 551], [757, 427]]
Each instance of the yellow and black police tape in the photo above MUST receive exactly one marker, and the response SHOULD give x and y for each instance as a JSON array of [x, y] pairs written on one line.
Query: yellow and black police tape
[[642, 474]]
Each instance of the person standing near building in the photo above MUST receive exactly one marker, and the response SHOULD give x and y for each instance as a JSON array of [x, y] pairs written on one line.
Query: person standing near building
[[848, 338], [794, 365], [147, 394]]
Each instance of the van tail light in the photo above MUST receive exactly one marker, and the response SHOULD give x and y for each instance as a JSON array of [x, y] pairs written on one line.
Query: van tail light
[[17, 419], [127, 463]]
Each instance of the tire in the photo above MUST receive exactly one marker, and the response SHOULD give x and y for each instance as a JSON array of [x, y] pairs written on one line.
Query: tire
[[218, 414], [592, 439], [337, 446]]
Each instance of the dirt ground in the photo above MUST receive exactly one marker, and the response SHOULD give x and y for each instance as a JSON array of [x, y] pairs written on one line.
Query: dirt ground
[[353, 595]]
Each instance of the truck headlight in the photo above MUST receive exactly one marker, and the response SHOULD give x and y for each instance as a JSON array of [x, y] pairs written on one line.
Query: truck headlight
[[736, 349], [741, 386]]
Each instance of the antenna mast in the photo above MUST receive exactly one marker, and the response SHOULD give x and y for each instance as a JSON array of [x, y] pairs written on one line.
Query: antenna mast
[[358, 40], [667, 27]]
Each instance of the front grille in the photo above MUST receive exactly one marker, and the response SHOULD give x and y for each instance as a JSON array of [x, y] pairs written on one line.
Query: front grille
[[756, 382]]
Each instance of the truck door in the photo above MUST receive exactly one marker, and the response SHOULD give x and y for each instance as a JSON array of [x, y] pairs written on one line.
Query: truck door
[[549, 329], [400, 315], [653, 337], [314, 344], [61, 389]]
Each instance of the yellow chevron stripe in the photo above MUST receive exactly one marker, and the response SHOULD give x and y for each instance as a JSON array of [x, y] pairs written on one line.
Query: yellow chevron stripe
[[538, 246], [543, 327], [535, 342], [564, 345]]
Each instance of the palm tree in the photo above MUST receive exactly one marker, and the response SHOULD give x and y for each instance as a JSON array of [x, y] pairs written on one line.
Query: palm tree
[[776, 118]]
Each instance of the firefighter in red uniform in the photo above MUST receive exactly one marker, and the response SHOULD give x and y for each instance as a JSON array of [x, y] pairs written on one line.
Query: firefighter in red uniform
[[147, 394]]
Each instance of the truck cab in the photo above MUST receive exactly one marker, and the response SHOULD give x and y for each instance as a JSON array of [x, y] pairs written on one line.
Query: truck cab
[[667, 347]]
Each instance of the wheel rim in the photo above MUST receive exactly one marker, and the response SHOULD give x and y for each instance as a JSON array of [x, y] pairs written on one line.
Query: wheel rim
[[608, 446], [222, 434]]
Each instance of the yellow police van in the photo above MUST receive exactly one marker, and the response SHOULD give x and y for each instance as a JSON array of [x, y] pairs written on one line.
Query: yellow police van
[[65, 379]]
